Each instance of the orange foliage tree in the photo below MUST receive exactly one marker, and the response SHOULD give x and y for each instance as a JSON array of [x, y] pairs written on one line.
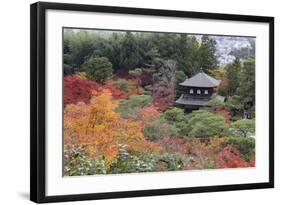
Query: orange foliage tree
[[148, 115], [102, 130]]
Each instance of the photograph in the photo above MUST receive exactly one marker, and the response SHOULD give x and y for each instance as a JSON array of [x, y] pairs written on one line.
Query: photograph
[[143, 101]]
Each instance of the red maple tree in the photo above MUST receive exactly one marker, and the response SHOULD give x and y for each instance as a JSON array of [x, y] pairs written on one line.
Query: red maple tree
[[78, 90]]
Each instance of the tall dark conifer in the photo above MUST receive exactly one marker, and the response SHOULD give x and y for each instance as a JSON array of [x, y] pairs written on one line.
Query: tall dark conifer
[[232, 75], [207, 51], [129, 54]]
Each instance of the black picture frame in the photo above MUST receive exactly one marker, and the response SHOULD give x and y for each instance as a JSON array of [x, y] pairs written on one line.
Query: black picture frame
[[38, 101]]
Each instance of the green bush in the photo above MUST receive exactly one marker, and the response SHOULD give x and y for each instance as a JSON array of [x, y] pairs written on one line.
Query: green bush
[[234, 105], [123, 84], [130, 108], [180, 77], [177, 118], [206, 124], [216, 103], [156, 130], [174, 115], [244, 127], [235, 118], [246, 146], [98, 69]]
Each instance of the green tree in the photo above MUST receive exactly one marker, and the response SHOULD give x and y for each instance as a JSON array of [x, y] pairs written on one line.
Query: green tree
[[182, 55], [130, 108], [193, 56], [232, 75], [206, 124], [113, 50], [247, 79], [124, 85], [234, 104], [164, 83], [129, 54], [207, 52], [218, 73], [216, 103], [174, 115], [187, 54], [243, 127], [177, 118], [157, 130], [98, 69], [180, 77], [78, 46], [166, 45]]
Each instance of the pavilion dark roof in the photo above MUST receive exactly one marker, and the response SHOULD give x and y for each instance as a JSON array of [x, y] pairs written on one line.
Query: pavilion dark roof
[[201, 79]]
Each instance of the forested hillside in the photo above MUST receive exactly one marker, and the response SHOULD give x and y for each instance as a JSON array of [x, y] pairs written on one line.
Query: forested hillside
[[120, 114]]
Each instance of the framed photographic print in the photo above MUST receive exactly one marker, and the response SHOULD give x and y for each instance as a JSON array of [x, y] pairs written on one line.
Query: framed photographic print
[[129, 102]]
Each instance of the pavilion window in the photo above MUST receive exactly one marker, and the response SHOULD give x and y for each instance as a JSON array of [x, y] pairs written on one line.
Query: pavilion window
[[206, 92], [198, 91], [191, 91]]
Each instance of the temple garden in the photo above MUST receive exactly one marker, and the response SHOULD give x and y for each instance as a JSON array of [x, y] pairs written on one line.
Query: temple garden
[[147, 102]]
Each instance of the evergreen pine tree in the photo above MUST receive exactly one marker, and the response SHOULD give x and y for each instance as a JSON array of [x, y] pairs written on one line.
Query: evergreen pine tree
[[129, 55], [232, 72], [207, 51]]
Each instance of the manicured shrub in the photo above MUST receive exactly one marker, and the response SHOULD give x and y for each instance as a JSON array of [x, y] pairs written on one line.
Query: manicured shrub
[[131, 107], [244, 127], [159, 129], [123, 84], [98, 69], [225, 114], [174, 115], [216, 103], [178, 119], [234, 105], [206, 124]]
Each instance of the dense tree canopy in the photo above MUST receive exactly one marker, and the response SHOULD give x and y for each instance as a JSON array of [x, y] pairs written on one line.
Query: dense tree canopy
[[207, 52], [232, 74], [247, 79], [98, 69], [129, 50]]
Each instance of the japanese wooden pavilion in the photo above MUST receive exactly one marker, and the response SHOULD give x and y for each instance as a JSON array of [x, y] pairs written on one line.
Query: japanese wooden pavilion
[[199, 90]]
